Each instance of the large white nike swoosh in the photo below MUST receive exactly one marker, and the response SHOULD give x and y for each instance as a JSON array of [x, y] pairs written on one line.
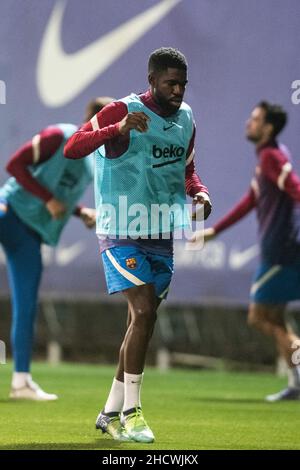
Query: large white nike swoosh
[[237, 259], [61, 77]]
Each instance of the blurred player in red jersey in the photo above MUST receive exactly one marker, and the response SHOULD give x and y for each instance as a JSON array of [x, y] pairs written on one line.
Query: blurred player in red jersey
[[35, 205], [275, 194]]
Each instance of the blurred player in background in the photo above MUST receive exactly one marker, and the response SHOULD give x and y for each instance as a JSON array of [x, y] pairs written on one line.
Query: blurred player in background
[[275, 194], [35, 205], [145, 151]]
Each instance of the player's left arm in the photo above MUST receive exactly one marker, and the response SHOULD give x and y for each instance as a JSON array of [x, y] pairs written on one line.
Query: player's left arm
[[193, 184], [276, 167]]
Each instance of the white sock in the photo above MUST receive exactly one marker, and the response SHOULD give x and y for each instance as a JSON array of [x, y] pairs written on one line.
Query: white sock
[[132, 383], [294, 377], [19, 379], [115, 398]]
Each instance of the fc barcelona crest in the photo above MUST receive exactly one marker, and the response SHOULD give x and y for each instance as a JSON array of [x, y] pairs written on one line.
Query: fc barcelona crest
[[131, 263]]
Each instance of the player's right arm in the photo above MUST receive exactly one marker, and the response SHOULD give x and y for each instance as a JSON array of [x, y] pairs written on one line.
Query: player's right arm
[[240, 210], [34, 152], [111, 123]]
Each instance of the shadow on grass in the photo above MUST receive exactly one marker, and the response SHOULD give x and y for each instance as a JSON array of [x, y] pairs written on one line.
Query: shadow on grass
[[105, 444], [228, 400], [12, 401]]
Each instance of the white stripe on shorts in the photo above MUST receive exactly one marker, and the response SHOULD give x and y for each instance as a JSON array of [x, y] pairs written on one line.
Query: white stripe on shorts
[[135, 280], [265, 278], [161, 296]]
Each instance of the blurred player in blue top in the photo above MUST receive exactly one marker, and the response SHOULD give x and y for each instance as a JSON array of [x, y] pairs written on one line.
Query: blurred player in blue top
[[35, 205]]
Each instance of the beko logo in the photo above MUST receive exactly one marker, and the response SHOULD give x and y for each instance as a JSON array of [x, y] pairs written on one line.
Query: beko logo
[[171, 154]]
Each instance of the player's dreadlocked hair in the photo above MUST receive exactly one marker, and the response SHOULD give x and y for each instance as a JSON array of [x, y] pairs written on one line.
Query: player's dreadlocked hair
[[165, 57], [274, 115]]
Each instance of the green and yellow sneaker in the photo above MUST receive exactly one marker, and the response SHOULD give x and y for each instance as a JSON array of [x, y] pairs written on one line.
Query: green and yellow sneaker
[[135, 425], [110, 423]]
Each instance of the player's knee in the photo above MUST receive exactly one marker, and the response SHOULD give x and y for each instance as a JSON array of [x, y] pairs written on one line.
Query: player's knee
[[255, 320], [145, 317]]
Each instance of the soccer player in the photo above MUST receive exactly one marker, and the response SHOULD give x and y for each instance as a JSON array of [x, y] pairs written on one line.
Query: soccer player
[[35, 205], [275, 194], [144, 151]]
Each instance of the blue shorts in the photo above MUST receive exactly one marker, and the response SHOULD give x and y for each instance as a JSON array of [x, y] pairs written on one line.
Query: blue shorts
[[131, 266], [276, 284]]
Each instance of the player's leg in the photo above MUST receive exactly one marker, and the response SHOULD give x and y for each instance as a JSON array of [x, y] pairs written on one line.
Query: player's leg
[[125, 268], [143, 304], [162, 270], [120, 367], [109, 418], [274, 286], [125, 390], [22, 248], [270, 320], [144, 301], [115, 399]]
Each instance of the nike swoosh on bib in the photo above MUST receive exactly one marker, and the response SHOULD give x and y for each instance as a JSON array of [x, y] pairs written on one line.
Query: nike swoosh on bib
[[75, 72], [169, 127]]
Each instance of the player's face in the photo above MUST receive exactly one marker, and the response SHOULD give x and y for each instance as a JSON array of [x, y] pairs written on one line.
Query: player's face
[[256, 125], [168, 88]]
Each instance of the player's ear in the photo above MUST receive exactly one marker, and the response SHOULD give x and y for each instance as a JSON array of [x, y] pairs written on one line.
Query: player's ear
[[151, 78], [269, 129]]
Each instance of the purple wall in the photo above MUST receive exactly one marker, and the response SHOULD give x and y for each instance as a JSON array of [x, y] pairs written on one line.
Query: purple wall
[[238, 52]]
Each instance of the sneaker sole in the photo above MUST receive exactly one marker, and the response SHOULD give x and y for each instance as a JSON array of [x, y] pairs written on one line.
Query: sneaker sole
[[142, 439], [103, 430]]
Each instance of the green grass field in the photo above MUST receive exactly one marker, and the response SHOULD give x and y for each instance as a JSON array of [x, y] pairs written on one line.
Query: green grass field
[[186, 410]]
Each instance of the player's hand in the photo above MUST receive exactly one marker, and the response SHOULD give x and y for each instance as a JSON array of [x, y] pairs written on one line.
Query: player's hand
[[203, 235], [137, 121], [56, 208], [88, 216], [202, 198], [209, 234]]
